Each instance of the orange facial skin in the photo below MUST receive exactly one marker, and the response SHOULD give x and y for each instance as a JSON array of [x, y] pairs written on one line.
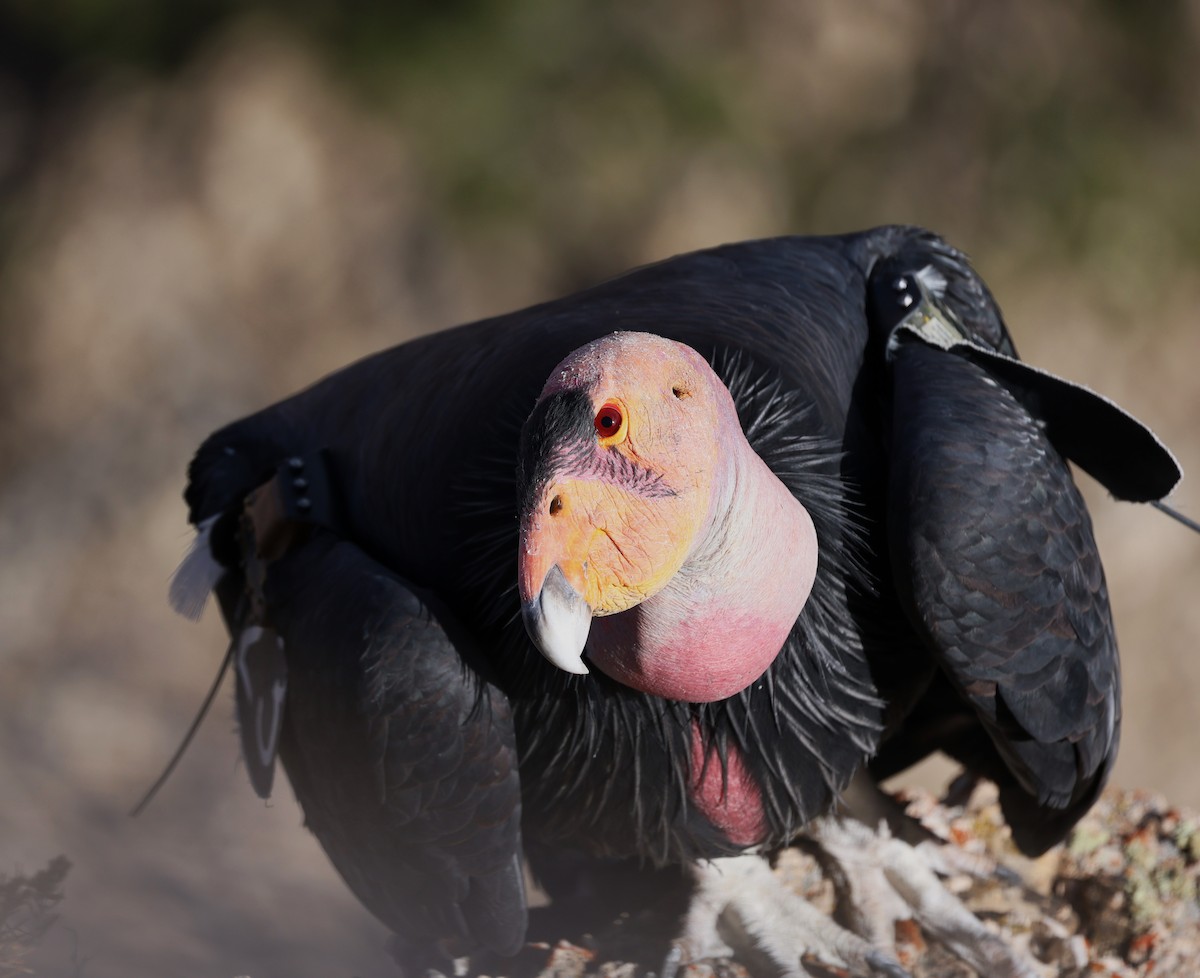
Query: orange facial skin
[[622, 496]]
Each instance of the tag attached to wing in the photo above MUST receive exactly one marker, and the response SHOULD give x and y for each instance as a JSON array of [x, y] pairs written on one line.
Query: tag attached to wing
[[1107, 442], [259, 660], [275, 517], [261, 689]]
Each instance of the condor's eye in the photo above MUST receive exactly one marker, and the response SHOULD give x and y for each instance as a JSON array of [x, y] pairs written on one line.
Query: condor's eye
[[610, 424]]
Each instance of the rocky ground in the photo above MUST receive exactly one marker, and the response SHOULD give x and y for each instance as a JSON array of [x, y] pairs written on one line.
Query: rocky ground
[[1118, 900], [1121, 899]]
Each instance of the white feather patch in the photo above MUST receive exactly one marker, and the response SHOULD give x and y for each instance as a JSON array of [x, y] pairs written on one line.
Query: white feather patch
[[933, 280], [196, 575]]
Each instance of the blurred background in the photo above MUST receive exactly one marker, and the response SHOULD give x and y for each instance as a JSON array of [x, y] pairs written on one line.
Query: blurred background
[[208, 203]]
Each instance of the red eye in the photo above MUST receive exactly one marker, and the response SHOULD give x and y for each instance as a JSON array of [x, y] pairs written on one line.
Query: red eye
[[610, 423]]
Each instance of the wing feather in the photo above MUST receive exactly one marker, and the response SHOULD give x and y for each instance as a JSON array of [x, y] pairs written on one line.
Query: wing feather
[[992, 541], [401, 755]]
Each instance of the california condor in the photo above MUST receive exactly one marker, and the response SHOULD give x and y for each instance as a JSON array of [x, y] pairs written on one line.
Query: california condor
[[652, 572]]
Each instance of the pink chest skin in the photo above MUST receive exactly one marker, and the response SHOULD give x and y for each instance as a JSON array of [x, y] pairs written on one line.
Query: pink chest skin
[[733, 803]]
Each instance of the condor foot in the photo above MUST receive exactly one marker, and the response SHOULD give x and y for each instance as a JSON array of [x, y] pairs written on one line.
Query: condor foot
[[796, 936], [881, 882], [884, 881]]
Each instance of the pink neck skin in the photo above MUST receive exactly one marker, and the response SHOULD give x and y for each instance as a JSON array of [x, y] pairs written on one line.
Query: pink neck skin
[[722, 619]]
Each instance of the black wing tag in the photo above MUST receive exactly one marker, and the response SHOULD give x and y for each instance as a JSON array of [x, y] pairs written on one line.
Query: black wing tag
[[1107, 442], [275, 517], [261, 688], [258, 650]]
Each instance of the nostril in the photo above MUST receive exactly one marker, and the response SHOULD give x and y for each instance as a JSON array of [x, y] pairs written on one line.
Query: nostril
[[556, 505]]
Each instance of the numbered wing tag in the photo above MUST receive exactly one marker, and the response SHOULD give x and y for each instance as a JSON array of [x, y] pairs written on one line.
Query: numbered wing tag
[[261, 690], [1116, 449], [276, 516]]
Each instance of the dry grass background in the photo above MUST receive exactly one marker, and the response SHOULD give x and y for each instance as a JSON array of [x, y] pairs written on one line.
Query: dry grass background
[[180, 248]]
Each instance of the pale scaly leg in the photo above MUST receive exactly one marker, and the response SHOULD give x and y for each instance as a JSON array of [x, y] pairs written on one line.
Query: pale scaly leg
[[890, 880], [784, 926]]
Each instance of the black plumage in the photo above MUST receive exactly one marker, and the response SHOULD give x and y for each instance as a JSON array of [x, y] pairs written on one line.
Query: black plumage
[[959, 602], [992, 547]]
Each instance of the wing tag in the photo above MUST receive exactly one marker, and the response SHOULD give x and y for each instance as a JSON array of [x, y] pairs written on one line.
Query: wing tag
[[1106, 441], [261, 688]]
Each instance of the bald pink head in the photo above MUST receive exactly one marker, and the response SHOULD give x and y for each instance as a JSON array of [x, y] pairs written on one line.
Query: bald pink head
[[645, 507]]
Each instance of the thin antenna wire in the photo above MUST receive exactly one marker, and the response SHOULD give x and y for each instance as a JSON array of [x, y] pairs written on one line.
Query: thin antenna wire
[[187, 739], [1176, 515]]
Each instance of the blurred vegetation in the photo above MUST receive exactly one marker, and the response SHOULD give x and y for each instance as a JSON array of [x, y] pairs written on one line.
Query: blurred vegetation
[[1063, 129]]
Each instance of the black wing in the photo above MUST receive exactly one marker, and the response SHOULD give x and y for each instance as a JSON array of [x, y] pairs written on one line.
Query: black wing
[[992, 547], [400, 751], [401, 755]]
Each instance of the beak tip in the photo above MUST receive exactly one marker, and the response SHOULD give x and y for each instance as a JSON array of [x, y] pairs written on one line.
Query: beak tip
[[558, 621], [575, 668]]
